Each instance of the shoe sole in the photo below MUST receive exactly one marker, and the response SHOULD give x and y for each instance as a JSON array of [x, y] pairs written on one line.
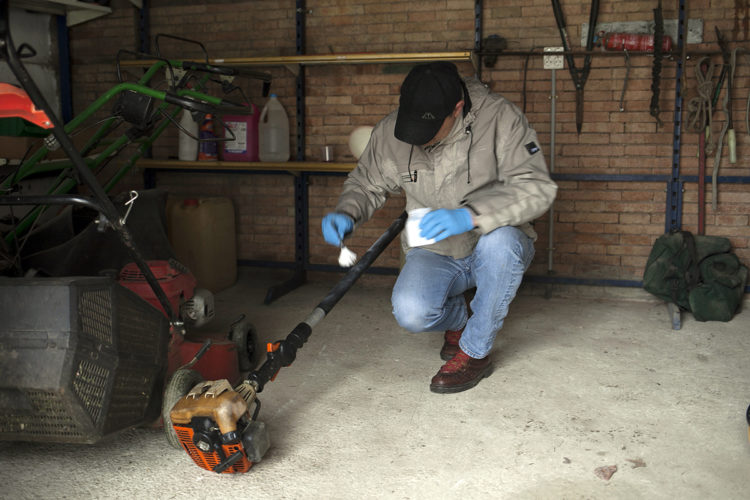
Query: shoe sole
[[452, 389]]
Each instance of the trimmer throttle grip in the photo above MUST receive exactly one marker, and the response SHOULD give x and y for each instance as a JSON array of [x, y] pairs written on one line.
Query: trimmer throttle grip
[[280, 354]]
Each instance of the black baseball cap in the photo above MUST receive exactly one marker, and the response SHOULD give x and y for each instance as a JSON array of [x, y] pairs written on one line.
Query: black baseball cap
[[428, 95]]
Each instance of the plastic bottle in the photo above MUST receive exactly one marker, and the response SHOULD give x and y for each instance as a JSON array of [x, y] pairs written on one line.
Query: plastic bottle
[[187, 147], [244, 147], [273, 131], [207, 150]]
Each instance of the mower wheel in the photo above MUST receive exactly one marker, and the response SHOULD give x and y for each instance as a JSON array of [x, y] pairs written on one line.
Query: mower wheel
[[179, 385], [244, 335]]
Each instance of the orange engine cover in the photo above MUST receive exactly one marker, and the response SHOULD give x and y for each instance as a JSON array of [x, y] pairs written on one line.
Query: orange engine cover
[[206, 423], [210, 459]]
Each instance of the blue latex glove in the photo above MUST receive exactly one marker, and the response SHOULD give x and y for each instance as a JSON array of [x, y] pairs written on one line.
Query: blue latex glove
[[335, 226], [444, 222]]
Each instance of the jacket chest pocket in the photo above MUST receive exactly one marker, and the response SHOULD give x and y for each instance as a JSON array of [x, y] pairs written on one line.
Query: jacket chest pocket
[[419, 183]]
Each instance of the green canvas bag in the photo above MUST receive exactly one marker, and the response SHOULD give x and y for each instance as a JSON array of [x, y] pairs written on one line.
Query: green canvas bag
[[697, 273]]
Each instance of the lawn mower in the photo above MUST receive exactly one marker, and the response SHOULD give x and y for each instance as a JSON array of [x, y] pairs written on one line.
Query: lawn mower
[[217, 423], [85, 352], [225, 356]]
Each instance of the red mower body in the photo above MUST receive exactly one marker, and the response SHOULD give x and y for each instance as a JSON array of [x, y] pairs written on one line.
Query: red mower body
[[178, 284], [218, 362]]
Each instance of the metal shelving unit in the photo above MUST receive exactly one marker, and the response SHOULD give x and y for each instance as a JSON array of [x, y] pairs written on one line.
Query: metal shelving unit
[[301, 169]]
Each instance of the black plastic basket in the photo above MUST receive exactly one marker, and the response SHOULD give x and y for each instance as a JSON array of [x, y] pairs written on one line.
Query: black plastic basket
[[80, 358]]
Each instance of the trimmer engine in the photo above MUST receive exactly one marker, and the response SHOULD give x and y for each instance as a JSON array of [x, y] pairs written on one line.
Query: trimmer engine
[[214, 425]]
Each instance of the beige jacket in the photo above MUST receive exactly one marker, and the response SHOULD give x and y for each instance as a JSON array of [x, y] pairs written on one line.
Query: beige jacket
[[491, 163]]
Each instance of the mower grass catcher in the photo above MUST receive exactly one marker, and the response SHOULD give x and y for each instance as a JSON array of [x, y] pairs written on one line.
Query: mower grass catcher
[[211, 421]]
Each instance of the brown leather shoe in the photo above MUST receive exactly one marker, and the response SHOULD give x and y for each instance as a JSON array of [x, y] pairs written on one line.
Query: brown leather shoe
[[450, 346], [462, 372]]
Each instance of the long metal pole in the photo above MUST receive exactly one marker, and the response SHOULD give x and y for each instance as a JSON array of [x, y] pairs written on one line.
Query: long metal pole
[[285, 351], [553, 126]]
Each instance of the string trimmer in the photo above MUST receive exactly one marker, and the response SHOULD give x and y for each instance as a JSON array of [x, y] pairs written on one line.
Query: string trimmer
[[212, 420]]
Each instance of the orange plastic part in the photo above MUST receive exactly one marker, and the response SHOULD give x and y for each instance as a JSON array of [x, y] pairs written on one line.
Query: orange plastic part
[[209, 460], [273, 347], [15, 102]]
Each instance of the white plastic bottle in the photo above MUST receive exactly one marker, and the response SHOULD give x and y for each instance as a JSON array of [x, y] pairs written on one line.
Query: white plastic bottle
[[273, 132], [187, 148]]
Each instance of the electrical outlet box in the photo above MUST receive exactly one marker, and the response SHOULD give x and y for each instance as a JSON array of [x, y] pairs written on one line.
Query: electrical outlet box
[[552, 61]]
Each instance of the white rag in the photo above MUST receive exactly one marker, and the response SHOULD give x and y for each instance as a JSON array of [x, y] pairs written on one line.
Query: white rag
[[347, 258]]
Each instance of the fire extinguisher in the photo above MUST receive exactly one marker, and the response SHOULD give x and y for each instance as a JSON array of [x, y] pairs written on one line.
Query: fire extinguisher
[[635, 42]]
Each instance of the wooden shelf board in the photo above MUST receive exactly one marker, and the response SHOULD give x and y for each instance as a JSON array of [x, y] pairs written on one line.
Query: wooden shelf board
[[241, 166], [319, 59]]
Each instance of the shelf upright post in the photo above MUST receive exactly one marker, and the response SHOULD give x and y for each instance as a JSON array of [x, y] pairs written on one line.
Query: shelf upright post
[[144, 46], [301, 204], [673, 219], [66, 91], [478, 36], [144, 28]]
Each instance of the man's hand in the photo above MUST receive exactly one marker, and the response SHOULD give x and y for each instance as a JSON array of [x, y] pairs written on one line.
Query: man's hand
[[335, 226], [442, 223]]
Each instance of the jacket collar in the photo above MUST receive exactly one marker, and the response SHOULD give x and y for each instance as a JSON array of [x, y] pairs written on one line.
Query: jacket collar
[[477, 93]]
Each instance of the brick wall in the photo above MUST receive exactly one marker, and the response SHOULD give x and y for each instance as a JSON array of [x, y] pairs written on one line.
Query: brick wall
[[602, 229]]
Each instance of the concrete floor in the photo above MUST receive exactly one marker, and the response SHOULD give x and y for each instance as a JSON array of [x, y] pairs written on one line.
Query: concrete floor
[[579, 384]]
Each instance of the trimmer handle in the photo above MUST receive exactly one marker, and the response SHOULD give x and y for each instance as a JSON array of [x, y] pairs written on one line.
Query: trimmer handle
[[284, 352]]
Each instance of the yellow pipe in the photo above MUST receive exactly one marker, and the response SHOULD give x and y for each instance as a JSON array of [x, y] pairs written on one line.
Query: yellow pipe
[[313, 59]]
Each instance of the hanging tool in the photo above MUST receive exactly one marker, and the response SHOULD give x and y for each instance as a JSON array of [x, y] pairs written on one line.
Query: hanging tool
[[724, 69], [700, 107], [656, 69], [625, 81], [579, 76], [728, 69], [699, 119], [728, 128]]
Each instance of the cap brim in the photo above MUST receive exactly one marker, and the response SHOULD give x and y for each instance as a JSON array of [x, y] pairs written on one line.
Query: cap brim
[[415, 130]]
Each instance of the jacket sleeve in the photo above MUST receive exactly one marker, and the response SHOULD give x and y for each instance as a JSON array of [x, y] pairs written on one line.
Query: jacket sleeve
[[368, 186], [524, 190]]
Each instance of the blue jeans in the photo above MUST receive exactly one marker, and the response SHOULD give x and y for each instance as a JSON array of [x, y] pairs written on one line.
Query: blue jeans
[[428, 295]]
